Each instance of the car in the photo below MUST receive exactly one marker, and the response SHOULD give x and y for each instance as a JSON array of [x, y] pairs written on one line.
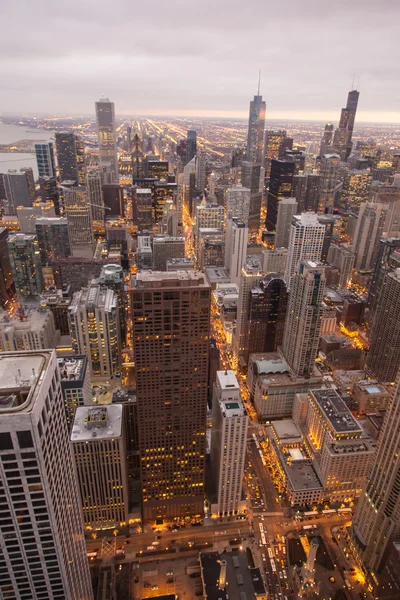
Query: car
[[174, 530], [169, 573], [154, 587]]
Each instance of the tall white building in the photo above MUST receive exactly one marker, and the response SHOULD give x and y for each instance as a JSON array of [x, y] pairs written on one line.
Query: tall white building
[[200, 171], [238, 203], [287, 208], [274, 261], [369, 229], [342, 257], [228, 445], [305, 242], [79, 217], [43, 550], [105, 116], [31, 329], [100, 457], [236, 238], [95, 196], [94, 326]]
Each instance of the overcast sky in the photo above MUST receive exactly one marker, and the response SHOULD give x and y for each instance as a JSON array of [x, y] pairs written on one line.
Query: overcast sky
[[201, 57]]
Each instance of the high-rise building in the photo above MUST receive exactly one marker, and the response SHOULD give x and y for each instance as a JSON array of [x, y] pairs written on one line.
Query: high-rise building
[[200, 171], [383, 359], [238, 203], [57, 301], [210, 249], [330, 224], [274, 141], [255, 134], [326, 141], [31, 329], [287, 208], [28, 215], [342, 139], [329, 172], [94, 327], [280, 186], [251, 179], [171, 317], [75, 384], [383, 265], [299, 189], [267, 312], [142, 208], [165, 248], [209, 216], [236, 238], [18, 189], [274, 261], [213, 367], [369, 229], [376, 522], [112, 276], [305, 243], [313, 191], [25, 262], [137, 157], [71, 158], [42, 542], [303, 319], [7, 288], [98, 444], [45, 159], [156, 169], [113, 200], [53, 238], [105, 116], [95, 196], [356, 188], [79, 218], [164, 192], [191, 145], [342, 257], [228, 442]]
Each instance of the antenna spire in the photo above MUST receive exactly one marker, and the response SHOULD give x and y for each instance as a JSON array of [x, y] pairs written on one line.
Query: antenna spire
[[259, 80], [354, 77]]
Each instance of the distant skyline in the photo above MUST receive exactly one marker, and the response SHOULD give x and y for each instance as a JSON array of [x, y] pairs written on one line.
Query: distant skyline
[[199, 59]]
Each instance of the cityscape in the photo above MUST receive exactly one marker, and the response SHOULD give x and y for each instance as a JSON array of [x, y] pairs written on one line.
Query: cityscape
[[199, 355]]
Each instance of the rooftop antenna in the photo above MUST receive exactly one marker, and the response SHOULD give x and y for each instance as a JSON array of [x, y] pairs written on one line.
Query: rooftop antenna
[[352, 85], [259, 80]]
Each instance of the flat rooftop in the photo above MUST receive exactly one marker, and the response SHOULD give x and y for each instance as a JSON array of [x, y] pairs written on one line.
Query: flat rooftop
[[232, 408], [336, 411], [302, 476], [20, 373], [72, 367], [286, 430], [227, 380], [168, 279], [97, 423]]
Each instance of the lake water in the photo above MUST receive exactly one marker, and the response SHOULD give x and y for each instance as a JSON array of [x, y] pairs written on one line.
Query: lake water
[[10, 134]]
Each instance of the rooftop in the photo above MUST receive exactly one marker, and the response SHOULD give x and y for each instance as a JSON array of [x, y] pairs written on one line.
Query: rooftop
[[286, 430], [72, 367], [100, 423], [302, 476], [336, 411], [227, 380], [168, 279], [20, 375]]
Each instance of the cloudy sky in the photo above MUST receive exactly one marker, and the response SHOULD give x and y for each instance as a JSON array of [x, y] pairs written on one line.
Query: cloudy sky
[[201, 57]]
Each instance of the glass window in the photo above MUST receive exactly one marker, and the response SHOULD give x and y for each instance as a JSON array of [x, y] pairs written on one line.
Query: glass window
[[25, 439]]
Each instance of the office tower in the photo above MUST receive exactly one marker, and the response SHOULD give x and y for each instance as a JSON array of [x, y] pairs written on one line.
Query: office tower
[[156, 169], [213, 367], [137, 158], [180, 264], [95, 196], [280, 186], [105, 117], [200, 171], [57, 301], [303, 319], [128, 138], [71, 158], [49, 192], [342, 257], [189, 185], [251, 178], [171, 317], [94, 326], [255, 134], [305, 243], [274, 261], [169, 223], [112, 276], [25, 264], [313, 191], [376, 521], [356, 189], [329, 222], [142, 208], [191, 145], [19, 189], [329, 172], [28, 329], [238, 203], [78, 214], [210, 248], [228, 442], [45, 159], [326, 141], [75, 384], [250, 275], [274, 141], [369, 229], [383, 358], [43, 545], [28, 215], [287, 208], [236, 237], [99, 450], [164, 191], [165, 248], [113, 200], [343, 134], [7, 288], [209, 216], [118, 241], [267, 312], [383, 265], [53, 238], [299, 188], [144, 252]]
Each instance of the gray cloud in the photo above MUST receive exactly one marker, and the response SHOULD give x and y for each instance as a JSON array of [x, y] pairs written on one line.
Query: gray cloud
[[199, 55]]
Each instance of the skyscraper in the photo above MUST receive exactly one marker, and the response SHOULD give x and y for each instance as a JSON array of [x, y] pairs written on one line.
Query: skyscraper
[[342, 140], [383, 359], [305, 243], [228, 443], [79, 218], [26, 267], [376, 522], [171, 314], [287, 208], [142, 208], [95, 196], [137, 157], [19, 189], [326, 141], [236, 238], [7, 288], [42, 537], [71, 158], [238, 203], [113, 200], [45, 159], [105, 117], [53, 238], [251, 177], [383, 265], [356, 188], [165, 248], [255, 134], [280, 186], [274, 141], [369, 229], [329, 172], [303, 319], [112, 276], [191, 145]]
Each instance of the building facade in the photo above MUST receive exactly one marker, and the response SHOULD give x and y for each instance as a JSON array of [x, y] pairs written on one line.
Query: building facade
[[25, 262]]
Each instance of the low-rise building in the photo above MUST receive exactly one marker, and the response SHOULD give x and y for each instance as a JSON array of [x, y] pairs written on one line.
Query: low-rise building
[[371, 396]]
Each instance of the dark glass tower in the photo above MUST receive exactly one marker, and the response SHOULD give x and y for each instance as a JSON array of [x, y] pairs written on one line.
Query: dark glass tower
[[191, 145], [280, 186], [344, 133], [71, 158]]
